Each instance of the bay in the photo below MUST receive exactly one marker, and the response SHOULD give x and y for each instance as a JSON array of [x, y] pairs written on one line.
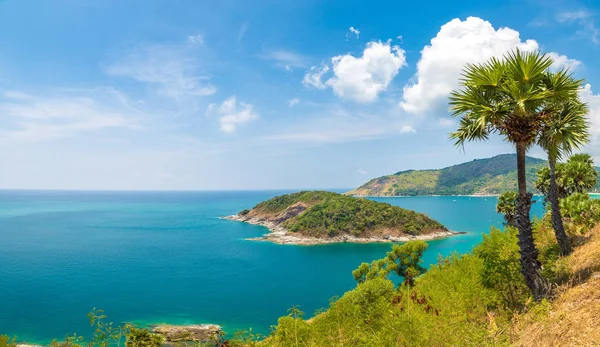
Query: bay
[[167, 257]]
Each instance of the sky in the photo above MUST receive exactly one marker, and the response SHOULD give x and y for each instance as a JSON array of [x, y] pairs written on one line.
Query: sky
[[264, 94]]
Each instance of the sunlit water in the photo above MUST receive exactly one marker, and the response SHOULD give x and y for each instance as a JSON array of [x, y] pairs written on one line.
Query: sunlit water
[[153, 257]]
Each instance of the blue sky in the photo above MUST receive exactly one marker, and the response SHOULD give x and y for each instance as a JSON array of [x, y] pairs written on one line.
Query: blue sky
[[155, 94]]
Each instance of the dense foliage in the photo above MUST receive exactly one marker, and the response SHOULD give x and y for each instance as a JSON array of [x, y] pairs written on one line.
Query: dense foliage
[[331, 214], [577, 175], [481, 176], [507, 205], [404, 260]]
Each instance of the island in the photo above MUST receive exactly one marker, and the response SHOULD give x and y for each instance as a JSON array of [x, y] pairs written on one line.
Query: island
[[320, 217]]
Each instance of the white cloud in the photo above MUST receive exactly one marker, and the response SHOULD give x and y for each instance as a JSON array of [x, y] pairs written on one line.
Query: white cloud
[[210, 109], [562, 61], [361, 171], [293, 102], [334, 123], [573, 15], [233, 114], [407, 129], [363, 79], [196, 39], [286, 59], [593, 101], [172, 70], [585, 19], [313, 77], [351, 31], [447, 122], [360, 79], [456, 44], [35, 117]]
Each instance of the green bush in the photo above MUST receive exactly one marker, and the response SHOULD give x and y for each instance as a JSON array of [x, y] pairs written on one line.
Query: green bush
[[580, 212], [501, 269]]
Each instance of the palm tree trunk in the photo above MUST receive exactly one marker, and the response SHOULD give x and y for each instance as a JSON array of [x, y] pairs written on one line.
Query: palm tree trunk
[[530, 266], [557, 222]]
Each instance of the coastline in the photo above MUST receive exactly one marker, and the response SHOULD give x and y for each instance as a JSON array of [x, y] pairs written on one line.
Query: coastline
[[279, 235]]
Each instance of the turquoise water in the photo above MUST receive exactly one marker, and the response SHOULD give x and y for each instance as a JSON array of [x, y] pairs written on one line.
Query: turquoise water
[[154, 257]]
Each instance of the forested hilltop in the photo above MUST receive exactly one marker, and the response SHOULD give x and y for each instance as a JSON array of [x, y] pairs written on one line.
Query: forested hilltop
[[331, 216], [490, 176]]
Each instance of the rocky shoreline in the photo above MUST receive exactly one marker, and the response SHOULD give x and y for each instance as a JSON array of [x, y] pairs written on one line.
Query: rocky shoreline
[[282, 236]]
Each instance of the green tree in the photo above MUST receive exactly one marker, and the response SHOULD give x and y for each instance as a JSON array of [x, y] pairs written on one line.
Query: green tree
[[507, 205], [509, 97], [564, 130], [501, 270], [377, 269], [581, 212], [405, 260], [580, 175], [577, 175]]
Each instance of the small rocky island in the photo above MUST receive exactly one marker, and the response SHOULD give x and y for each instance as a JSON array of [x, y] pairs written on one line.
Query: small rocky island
[[318, 217]]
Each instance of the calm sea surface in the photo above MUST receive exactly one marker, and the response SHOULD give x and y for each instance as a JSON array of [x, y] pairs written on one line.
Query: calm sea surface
[[155, 257]]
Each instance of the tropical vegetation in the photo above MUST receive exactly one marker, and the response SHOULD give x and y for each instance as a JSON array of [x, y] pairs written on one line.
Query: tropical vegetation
[[518, 98]]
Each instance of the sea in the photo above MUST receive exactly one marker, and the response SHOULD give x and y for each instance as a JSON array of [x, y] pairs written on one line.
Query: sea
[[167, 257]]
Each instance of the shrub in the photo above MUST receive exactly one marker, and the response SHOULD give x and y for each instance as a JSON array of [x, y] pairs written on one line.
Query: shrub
[[581, 212], [501, 269]]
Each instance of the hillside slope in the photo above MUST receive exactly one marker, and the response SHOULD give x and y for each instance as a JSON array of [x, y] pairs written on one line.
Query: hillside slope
[[478, 177], [327, 215]]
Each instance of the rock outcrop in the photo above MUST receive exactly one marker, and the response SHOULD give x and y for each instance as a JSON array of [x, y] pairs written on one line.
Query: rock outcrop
[[195, 333]]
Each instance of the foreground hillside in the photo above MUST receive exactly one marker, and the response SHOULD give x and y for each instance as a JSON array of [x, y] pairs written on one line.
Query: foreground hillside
[[490, 176], [320, 217], [476, 299]]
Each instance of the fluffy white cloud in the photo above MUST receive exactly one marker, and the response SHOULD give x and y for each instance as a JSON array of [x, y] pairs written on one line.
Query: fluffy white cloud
[[233, 114], [313, 77], [562, 61], [593, 101], [362, 78], [456, 44]]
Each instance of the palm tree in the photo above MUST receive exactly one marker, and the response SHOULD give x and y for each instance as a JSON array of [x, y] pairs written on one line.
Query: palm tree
[[507, 97], [507, 205], [564, 130]]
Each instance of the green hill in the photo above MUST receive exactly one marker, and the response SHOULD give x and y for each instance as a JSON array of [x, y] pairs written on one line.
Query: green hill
[[478, 177], [323, 214]]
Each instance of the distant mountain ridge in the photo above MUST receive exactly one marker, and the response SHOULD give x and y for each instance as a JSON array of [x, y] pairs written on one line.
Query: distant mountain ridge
[[489, 176]]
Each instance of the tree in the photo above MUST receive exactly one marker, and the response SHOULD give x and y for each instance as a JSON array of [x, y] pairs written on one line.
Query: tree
[[577, 175], [508, 97], [377, 269], [405, 260], [564, 130], [507, 205], [580, 174]]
